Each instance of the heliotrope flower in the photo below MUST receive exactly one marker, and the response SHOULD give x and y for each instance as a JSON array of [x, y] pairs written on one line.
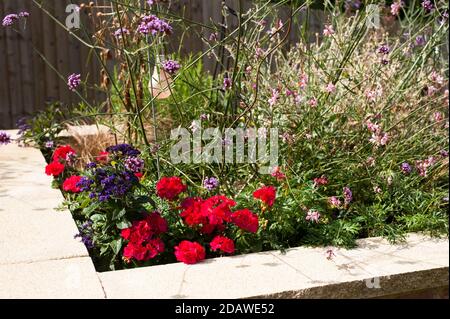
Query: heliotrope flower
[[171, 66], [73, 81], [86, 234], [122, 150], [210, 183], [5, 138]]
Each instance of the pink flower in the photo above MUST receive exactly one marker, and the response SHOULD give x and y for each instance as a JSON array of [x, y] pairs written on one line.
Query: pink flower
[[313, 102], [313, 216], [330, 254], [438, 116], [274, 98], [334, 201], [330, 88], [278, 174], [328, 30], [395, 7], [303, 81]]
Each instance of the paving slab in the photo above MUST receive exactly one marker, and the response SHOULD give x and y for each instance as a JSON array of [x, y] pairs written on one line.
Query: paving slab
[[55, 279], [377, 269], [30, 227]]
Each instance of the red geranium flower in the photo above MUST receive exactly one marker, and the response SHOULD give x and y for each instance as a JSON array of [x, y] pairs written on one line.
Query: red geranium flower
[[54, 168], [189, 252], [170, 187], [222, 243], [267, 194], [70, 184], [143, 251], [210, 213], [103, 157], [62, 151], [142, 245], [245, 220], [138, 175]]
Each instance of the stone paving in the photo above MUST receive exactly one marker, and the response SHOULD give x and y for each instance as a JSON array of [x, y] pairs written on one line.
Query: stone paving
[[41, 259]]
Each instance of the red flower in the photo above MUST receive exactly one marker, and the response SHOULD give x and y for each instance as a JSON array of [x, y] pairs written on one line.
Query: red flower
[[189, 252], [54, 168], [170, 187], [210, 214], [222, 243], [267, 194], [62, 151], [245, 220], [142, 245], [102, 157], [138, 175], [143, 251], [322, 180], [70, 184]]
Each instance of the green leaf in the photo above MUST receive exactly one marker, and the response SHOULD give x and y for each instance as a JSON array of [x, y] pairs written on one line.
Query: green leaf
[[116, 245], [97, 218], [118, 214], [123, 224]]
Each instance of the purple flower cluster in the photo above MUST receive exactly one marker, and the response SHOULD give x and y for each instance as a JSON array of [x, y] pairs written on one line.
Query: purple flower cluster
[[227, 83], [352, 4], [171, 66], [420, 41], [123, 150], [428, 5], [384, 49], [348, 195], [134, 164], [86, 233], [106, 185], [210, 183], [9, 19], [120, 32], [5, 138], [73, 81], [23, 127], [151, 24], [406, 168]]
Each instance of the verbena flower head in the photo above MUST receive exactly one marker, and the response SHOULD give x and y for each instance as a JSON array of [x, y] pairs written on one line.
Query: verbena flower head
[[73, 81], [151, 24], [420, 41], [348, 195], [119, 33], [5, 138], [24, 14], [384, 49], [9, 19], [171, 66], [210, 183], [428, 5], [227, 84], [406, 168]]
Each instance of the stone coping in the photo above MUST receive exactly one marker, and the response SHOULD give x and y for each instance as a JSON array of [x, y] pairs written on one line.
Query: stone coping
[[41, 259]]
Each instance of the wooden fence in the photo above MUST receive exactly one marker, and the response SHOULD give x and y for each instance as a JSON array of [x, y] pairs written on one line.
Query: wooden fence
[[27, 82]]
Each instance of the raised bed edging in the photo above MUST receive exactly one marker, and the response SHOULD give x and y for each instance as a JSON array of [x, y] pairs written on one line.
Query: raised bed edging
[[33, 267]]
